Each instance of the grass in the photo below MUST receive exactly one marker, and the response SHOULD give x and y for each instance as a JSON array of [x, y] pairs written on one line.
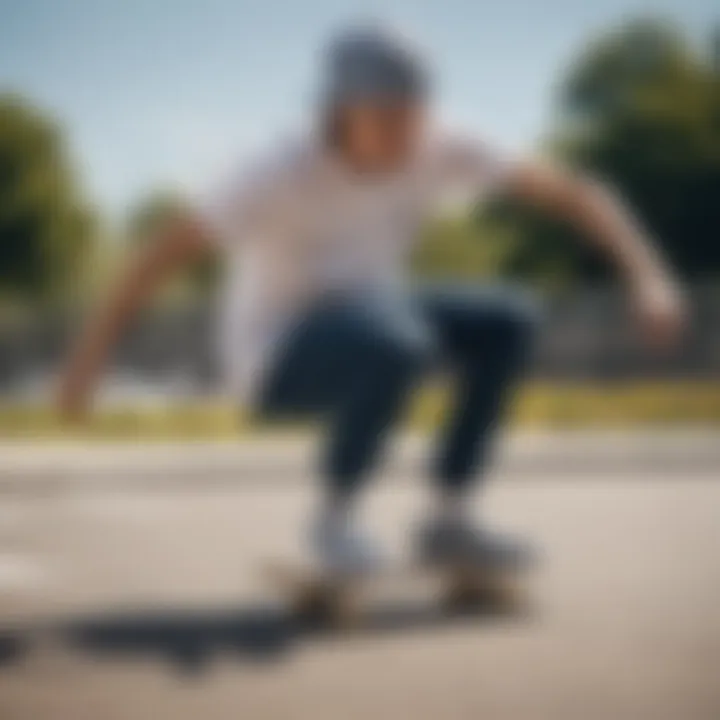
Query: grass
[[539, 405]]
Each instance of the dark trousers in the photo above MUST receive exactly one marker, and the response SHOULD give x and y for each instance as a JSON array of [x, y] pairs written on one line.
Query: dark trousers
[[354, 361]]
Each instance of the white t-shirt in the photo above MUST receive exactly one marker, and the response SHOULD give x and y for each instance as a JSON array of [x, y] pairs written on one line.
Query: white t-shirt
[[297, 224]]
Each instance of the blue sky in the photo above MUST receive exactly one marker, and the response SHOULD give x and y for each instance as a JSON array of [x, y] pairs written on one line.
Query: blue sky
[[169, 92]]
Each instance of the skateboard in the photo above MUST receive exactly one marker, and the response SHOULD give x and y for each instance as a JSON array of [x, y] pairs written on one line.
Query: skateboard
[[346, 600]]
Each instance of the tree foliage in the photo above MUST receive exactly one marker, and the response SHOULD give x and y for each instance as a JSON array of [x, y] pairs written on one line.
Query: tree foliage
[[640, 109], [45, 228], [459, 247], [156, 212]]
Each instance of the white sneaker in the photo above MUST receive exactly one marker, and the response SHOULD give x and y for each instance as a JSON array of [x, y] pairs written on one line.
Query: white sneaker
[[340, 548]]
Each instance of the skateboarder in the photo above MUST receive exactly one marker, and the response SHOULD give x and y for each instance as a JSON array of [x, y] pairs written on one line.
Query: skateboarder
[[319, 318]]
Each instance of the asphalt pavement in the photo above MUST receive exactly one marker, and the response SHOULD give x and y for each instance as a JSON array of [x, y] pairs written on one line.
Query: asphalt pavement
[[130, 587]]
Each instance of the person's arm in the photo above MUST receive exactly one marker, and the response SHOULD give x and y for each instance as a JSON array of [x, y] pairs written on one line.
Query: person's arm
[[175, 247], [603, 218]]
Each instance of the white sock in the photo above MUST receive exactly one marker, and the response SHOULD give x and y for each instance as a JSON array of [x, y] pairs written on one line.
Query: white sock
[[335, 513], [452, 508]]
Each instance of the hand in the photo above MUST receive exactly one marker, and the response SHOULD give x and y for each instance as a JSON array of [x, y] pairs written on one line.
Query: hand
[[659, 307]]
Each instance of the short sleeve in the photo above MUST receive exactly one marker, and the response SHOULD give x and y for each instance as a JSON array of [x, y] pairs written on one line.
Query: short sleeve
[[232, 208], [475, 167], [246, 202]]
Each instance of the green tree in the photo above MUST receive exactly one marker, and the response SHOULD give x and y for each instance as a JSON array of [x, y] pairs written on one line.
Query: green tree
[[458, 247], [46, 229], [641, 109], [149, 217], [151, 214]]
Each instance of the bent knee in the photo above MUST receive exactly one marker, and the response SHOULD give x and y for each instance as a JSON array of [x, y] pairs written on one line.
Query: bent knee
[[520, 319], [411, 350], [514, 330]]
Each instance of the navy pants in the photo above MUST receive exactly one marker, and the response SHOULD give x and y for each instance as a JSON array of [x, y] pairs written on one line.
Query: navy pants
[[354, 360]]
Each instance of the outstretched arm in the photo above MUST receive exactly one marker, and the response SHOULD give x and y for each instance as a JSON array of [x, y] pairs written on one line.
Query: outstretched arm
[[602, 217], [175, 247]]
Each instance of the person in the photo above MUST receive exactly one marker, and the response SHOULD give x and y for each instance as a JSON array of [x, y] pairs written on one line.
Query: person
[[319, 317]]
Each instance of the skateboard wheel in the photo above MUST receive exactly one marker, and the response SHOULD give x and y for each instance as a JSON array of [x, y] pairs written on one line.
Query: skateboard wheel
[[472, 590], [327, 606]]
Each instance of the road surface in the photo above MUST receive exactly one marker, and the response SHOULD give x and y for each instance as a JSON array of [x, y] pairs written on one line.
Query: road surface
[[133, 598]]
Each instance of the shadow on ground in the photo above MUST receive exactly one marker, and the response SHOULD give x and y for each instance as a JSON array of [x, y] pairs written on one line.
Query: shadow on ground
[[189, 640]]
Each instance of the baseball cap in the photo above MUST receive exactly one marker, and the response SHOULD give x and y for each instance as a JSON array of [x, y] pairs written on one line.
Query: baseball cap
[[373, 63]]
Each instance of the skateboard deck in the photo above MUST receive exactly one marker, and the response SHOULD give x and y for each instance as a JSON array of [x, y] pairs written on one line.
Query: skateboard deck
[[345, 600]]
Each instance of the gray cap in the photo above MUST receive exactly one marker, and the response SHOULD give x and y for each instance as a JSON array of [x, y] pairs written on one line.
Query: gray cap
[[372, 63]]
